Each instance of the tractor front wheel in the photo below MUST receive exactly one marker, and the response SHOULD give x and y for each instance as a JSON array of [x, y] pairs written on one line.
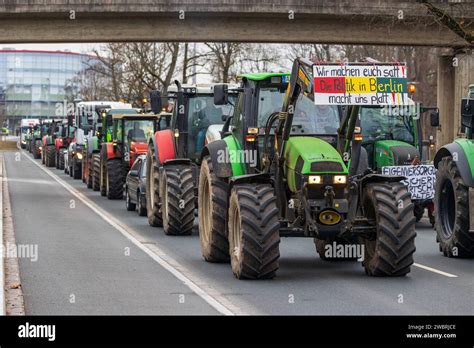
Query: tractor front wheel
[[452, 211], [390, 252], [177, 199], [212, 208], [253, 231], [96, 172], [61, 160]]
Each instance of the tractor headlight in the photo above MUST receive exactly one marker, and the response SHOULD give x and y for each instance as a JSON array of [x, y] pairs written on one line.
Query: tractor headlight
[[79, 155], [339, 179], [315, 179]]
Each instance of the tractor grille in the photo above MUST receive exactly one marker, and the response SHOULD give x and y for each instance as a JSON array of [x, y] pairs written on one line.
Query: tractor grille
[[326, 166]]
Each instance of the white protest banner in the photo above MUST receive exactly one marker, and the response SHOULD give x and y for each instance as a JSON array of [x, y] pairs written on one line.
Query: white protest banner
[[358, 84], [420, 179]]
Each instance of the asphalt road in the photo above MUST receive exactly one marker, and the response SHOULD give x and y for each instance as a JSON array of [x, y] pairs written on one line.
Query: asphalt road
[[82, 253]]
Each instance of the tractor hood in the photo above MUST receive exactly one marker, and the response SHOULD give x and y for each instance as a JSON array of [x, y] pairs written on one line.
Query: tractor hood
[[138, 147], [394, 153], [310, 155]]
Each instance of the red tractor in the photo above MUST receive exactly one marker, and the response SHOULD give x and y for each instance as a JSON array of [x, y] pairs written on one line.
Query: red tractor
[[130, 136]]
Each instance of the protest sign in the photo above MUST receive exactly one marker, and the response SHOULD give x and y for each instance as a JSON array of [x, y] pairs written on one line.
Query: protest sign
[[420, 179]]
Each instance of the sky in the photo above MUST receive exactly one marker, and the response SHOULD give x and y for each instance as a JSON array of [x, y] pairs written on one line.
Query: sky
[[79, 48]]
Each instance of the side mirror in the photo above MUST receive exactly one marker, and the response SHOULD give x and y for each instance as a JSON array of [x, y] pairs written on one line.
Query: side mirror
[[221, 94], [134, 173], [156, 102], [434, 119], [467, 112]]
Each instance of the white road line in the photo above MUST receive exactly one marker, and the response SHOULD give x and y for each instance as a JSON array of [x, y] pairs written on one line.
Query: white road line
[[2, 256], [216, 301], [434, 270]]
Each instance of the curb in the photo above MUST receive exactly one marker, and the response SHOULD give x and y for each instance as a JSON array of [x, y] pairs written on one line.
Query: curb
[[2, 258]]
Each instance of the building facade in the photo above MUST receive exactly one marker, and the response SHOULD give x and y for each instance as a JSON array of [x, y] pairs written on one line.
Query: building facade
[[32, 83]]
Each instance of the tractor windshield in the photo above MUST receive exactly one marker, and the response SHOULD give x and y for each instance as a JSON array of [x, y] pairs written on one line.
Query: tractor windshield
[[314, 119], [203, 113], [379, 123], [270, 101], [138, 130]]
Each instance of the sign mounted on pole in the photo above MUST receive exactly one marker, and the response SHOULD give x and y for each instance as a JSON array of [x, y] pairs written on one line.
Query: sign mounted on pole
[[359, 84]]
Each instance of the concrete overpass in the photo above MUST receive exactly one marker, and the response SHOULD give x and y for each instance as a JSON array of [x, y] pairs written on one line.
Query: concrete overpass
[[387, 22], [393, 22]]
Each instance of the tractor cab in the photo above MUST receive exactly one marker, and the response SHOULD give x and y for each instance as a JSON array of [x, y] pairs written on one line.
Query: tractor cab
[[131, 132], [196, 120]]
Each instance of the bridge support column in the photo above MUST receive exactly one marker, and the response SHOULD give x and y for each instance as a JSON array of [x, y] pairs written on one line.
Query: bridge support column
[[455, 73]]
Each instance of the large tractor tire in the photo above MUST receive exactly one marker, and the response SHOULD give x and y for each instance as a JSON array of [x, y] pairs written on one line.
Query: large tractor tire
[[88, 177], [36, 150], [43, 156], [61, 160], [177, 199], [212, 208], [115, 179], [390, 253], [76, 169], [103, 179], [96, 172], [50, 156], [153, 203], [253, 227], [452, 211]]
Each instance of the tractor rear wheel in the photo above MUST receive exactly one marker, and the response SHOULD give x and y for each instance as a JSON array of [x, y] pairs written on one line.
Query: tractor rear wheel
[[96, 172], [253, 231], [61, 160], [390, 252], [50, 155], [88, 177], [452, 211], [76, 169], [212, 207], [115, 179], [177, 199], [103, 179], [153, 203], [36, 149]]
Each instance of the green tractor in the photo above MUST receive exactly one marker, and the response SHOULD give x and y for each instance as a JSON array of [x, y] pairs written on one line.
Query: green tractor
[[307, 181], [49, 143], [454, 198], [392, 141], [173, 156], [36, 141], [101, 132], [129, 139]]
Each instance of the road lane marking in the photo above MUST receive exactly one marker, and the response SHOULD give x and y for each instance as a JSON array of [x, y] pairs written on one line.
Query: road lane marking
[[434, 270], [211, 296]]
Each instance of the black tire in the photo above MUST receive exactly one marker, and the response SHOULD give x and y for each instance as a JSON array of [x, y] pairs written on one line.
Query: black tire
[[95, 172], [253, 227], [390, 253], [128, 204], [60, 160], [50, 156], [56, 156], [89, 172], [76, 169], [212, 207], [177, 199], [452, 211], [103, 179], [141, 208], [36, 149], [115, 179], [153, 204]]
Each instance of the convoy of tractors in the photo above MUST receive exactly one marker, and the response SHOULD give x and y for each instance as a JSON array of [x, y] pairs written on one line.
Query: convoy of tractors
[[263, 159]]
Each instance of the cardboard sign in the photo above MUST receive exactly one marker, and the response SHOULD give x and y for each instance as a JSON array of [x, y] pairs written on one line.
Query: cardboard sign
[[360, 84], [421, 179]]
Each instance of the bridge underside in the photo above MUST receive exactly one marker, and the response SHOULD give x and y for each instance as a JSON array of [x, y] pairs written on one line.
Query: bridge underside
[[244, 27]]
